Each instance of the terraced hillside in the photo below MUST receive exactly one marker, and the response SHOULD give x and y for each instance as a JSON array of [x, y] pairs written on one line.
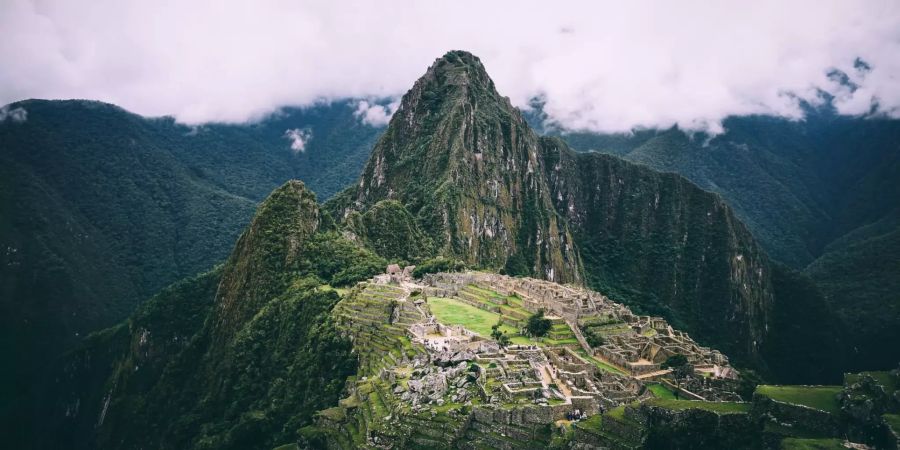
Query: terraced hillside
[[431, 376]]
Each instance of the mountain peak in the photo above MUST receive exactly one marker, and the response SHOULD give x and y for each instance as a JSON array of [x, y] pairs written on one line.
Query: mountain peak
[[462, 161], [456, 76], [461, 60], [253, 273]]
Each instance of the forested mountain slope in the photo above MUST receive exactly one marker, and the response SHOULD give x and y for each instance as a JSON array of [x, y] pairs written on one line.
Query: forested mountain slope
[[101, 208]]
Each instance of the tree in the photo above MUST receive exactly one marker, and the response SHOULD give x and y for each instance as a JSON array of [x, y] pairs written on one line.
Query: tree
[[499, 336], [593, 337], [538, 325], [679, 365]]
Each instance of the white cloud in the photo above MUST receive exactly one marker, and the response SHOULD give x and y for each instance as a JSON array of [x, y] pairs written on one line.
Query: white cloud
[[607, 66], [374, 114], [299, 138], [15, 114]]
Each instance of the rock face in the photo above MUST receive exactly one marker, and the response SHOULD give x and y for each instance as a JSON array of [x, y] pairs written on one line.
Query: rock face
[[487, 190], [656, 241], [463, 161]]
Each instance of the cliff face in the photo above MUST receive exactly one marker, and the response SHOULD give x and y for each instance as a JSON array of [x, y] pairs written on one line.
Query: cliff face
[[464, 163], [658, 242]]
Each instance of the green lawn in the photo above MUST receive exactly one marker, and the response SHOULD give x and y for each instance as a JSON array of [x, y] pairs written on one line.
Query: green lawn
[[451, 311], [823, 398], [454, 312], [661, 391], [720, 407]]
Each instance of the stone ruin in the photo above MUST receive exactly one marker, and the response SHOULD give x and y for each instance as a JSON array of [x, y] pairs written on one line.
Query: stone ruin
[[638, 345], [393, 274]]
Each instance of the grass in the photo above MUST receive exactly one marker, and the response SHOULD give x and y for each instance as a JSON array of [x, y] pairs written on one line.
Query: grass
[[882, 378], [600, 364], [592, 423], [454, 312], [812, 444], [823, 398], [893, 421], [661, 391], [451, 311], [718, 407]]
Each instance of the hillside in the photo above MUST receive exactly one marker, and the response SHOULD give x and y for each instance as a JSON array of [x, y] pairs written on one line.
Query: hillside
[[101, 208], [241, 356]]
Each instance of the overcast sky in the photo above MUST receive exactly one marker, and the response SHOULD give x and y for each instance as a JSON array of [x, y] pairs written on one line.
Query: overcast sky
[[600, 66]]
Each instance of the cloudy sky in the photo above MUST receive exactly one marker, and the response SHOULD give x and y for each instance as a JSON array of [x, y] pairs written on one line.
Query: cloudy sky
[[598, 65]]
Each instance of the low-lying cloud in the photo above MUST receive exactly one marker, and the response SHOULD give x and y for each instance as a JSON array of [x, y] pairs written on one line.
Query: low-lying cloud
[[374, 114], [13, 114], [298, 138], [605, 66]]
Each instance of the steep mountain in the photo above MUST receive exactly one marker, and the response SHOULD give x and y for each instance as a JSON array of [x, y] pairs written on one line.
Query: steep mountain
[[101, 208], [488, 191], [656, 241], [819, 194], [239, 357], [464, 163]]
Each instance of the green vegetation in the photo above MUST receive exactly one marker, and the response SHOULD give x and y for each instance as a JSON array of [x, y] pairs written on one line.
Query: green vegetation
[[600, 364], [438, 264], [102, 209], [661, 391], [454, 312], [812, 444], [501, 337], [823, 398], [538, 325], [391, 231], [893, 421], [718, 407], [250, 373]]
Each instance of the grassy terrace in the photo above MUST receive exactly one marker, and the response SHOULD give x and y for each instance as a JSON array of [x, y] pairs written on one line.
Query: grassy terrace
[[451, 311], [592, 423], [823, 398], [661, 391], [718, 407], [600, 364], [812, 444], [893, 421], [454, 312]]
